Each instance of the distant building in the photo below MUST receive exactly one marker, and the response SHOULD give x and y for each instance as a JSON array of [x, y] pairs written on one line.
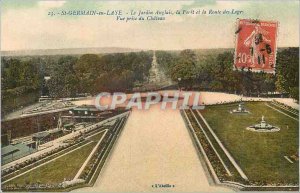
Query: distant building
[[45, 136], [16, 151], [69, 126], [85, 113], [6, 138]]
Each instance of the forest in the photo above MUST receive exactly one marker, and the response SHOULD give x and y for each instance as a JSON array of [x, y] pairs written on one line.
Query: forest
[[198, 70], [23, 78]]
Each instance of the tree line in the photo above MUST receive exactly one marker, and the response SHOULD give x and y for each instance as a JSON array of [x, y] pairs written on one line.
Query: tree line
[[22, 79], [214, 72], [19, 76], [71, 75], [91, 73]]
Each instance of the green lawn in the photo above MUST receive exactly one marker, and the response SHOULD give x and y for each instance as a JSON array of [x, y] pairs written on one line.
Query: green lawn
[[97, 137], [260, 155], [62, 168]]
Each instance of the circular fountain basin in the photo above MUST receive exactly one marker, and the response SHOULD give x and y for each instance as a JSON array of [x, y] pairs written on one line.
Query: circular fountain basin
[[239, 112], [263, 128]]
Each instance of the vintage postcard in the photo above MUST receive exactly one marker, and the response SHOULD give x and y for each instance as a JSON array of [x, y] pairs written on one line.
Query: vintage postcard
[[149, 96]]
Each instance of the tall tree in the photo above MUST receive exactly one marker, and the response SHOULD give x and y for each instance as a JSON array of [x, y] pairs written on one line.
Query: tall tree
[[288, 72], [184, 70]]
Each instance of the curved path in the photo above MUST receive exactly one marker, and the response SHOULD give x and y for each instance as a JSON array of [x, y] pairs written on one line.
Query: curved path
[[154, 148]]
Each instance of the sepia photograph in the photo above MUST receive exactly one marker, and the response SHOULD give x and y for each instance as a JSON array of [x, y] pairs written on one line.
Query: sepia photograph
[[149, 96]]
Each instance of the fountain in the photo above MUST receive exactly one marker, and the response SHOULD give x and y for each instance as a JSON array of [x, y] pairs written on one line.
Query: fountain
[[240, 110], [263, 126]]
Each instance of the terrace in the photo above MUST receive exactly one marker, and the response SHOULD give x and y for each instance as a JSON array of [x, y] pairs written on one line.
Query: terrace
[[55, 171], [259, 156]]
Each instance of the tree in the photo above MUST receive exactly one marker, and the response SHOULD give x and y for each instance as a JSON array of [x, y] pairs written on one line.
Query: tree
[[288, 72], [63, 81], [185, 68], [166, 61]]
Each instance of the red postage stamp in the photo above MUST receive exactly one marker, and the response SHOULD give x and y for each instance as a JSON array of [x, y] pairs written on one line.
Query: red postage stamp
[[256, 46]]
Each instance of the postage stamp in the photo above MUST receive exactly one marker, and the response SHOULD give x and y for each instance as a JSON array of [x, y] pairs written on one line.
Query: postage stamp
[[256, 46]]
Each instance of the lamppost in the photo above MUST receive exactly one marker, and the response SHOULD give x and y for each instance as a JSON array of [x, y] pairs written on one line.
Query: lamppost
[[179, 82]]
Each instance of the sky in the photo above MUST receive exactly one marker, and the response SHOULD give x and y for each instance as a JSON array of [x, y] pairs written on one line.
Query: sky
[[26, 25]]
